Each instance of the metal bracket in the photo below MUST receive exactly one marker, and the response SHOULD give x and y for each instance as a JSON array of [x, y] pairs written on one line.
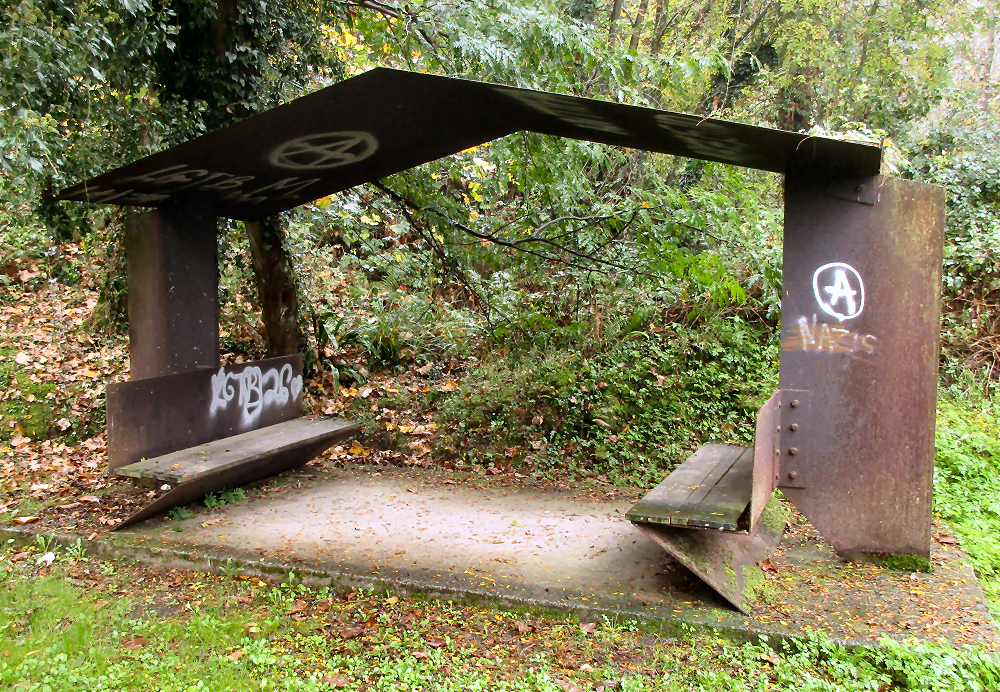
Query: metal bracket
[[794, 405]]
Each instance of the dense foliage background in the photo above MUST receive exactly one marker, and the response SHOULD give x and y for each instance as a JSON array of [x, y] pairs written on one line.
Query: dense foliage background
[[570, 309]]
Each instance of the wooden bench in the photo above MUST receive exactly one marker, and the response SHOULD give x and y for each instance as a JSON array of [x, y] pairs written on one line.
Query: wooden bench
[[236, 460], [711, 490], [710, 515]]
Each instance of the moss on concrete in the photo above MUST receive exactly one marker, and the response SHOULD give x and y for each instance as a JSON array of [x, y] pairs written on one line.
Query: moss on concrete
[[910, 563]]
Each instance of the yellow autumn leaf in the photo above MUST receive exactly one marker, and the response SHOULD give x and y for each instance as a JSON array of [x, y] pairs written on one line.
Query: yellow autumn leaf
[[356, 448]]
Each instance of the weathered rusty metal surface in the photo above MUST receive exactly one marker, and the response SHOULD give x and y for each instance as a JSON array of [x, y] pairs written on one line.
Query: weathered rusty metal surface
[[173, 289], [794, 418], [764, 451], [386, 121], [156, 416], [860, 322], [710, 490], [724, 560], [236, 461]]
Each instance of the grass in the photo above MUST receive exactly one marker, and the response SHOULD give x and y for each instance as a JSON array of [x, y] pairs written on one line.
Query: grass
[[81, 624], [967, 482]]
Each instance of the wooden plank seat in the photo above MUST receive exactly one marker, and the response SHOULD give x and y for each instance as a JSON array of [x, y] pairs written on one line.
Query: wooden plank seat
[[711, 490], [236, 460]]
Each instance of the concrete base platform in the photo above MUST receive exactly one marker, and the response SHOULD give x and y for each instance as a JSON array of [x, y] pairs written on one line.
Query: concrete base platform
[[476, 538]]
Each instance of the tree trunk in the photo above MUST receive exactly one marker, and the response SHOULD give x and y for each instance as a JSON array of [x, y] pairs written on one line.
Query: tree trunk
[[279, 307], [616, 12], [640, 17], [659, 27]]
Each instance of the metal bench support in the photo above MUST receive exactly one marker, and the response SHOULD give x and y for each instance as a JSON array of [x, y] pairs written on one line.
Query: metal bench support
[[859, 355]]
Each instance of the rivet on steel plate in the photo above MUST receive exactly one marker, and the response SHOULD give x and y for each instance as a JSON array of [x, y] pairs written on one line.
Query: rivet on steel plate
[[860, 188], [792, 451], [793, 475], [778, 429], [793, 427], [795, 403]]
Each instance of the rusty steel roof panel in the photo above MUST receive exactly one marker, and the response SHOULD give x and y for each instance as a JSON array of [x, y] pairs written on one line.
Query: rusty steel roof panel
[[386, 121]]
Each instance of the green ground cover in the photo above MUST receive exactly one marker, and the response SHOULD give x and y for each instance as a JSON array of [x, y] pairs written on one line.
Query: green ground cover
[[81, 624], [967, 482]]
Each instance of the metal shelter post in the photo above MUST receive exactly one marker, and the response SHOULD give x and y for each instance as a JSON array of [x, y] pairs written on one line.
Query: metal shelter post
[[173, 289], [859, 355]]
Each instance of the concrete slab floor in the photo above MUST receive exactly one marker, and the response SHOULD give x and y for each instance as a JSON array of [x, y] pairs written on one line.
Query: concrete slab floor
[[486, 538]]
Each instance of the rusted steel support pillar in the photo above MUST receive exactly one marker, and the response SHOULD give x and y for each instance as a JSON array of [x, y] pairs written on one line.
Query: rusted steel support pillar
[[173, 289], [859, 355]]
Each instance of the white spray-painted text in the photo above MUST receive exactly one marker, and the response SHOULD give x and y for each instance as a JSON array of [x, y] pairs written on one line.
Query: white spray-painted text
[[257, 390]]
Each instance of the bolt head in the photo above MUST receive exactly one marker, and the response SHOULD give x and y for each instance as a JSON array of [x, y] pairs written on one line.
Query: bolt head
[[792, 451], [793, 475], [795, 403], [793, 427]]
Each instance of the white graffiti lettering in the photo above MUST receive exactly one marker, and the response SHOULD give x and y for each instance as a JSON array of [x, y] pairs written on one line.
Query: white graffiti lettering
[[839, 290], [570, 112], [258, 390], [812, 335], [324, 150]]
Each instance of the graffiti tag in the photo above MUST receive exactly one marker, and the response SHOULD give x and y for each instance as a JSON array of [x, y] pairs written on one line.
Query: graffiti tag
[[839, 290], [254, 390]]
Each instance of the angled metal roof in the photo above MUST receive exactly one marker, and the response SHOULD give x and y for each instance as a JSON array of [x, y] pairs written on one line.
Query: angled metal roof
[[386, 121]]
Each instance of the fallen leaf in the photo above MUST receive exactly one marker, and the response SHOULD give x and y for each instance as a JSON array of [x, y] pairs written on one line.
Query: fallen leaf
[[770, 658], [22, 359], [324, 605], [134, 643], [424, 369], [25, 520], [420, 448], [70, 505], [351, 632], [434, 642], [19, 556], [568, 686], [420, 654], [947, 540], [336, 680], [448, 386], [64, 424], [523, 628], [588, 627], [92, 537], [356, 448], [235, 655], [767, 565], [89, 498], [392, 601], [297, 607]]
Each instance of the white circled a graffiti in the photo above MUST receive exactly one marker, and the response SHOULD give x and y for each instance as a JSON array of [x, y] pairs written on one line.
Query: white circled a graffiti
[[839, 290], [324, 150]]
